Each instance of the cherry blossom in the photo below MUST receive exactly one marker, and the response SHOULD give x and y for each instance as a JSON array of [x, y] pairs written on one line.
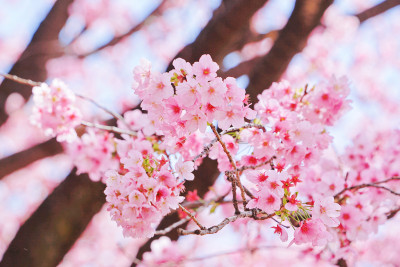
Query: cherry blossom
[[54, 110], [312, 230], [184, 169], [281, 232], [326, 210]]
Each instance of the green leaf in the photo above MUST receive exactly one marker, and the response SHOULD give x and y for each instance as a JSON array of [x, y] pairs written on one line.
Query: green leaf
[[214, 207]]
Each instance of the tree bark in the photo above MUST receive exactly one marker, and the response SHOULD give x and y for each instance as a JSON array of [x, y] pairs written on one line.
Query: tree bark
[[226, 27]]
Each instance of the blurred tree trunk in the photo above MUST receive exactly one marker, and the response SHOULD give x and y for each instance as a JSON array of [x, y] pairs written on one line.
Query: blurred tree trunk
[[52, 229]]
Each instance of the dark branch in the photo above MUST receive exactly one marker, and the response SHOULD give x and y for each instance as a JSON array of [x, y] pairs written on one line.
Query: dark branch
[[392, 213], [157, 11], [376, 10], [375, 185], [24, 158], [51, 231], [341, 262], [292, 39], [225, 29]]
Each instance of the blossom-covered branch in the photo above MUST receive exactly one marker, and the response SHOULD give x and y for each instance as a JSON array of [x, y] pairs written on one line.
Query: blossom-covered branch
[[375, 185]]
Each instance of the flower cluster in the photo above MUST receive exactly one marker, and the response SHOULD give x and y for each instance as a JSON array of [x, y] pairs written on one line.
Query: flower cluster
[[144, 188], [92, 153], [54, 110], [373, 185], [286, 140], [185, 99], [293, 139]]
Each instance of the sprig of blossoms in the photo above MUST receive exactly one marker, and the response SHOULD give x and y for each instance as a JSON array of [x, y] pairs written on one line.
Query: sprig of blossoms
[[54, 110], [294, 138], [188, 97], [145, 187]]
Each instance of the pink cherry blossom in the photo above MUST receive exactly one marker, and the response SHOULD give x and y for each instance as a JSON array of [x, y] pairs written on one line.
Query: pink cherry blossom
[[54, 110], [265, 200], [93, 154], [292, 204], [281, 232], [326, 210], [206, 69], [312, 230], [184, 169]]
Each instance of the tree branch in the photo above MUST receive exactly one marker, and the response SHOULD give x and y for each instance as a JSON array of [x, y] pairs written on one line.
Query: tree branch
[[216, 228], [53, 228], [392, 213], [24, 158], [252, 37], [292, 40], [108, 128], [157, 11], [226, 28], [376, 10], [375, 185]]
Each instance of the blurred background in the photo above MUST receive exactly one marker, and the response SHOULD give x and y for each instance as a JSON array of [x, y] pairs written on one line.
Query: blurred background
[[93, 45]]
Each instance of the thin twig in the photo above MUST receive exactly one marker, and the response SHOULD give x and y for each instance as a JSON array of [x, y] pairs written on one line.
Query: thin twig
[[172, 226], [234, 199], [388, 180], [216, 228], [112, 113], [33, 83], [243, 168], [192, 217], [108, 128], [247, 191], [207, 148], [232, 163], [392, 213], [280, 223], [20, 80], [197, 204], [357, 187], [201, 205], [76, 37]]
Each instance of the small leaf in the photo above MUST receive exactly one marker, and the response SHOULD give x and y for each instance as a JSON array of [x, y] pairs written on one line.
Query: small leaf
[[213, 207]]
